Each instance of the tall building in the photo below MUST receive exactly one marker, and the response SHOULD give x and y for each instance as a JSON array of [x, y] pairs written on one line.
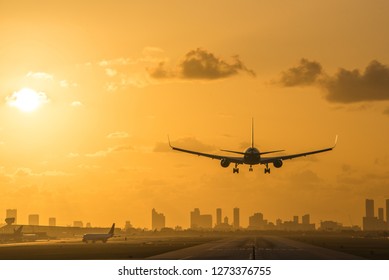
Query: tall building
[[236, 218], [218, 216], [370, 222], [369, 208], [306, 219], [198, 221], [381, 214], [296, 219], [33, 220], [12, 214], [52, 222], [157, 220]]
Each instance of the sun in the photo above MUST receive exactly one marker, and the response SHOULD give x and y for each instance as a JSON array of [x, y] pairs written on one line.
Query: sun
[[27, 100]]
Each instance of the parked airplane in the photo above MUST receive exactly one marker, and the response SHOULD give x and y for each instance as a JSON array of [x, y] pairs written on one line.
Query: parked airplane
[[99, 236], [252, 156]]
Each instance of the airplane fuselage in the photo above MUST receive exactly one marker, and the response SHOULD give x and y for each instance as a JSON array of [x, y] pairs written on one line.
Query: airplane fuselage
[[252, 156]]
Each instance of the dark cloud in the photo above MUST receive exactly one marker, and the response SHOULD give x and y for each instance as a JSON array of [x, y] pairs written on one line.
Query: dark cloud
[[201, 65], [306, 73], [352, 86], [346, 86]]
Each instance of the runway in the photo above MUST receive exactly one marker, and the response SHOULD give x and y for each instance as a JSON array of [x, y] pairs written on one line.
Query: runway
[[173, 248], [263, 247]]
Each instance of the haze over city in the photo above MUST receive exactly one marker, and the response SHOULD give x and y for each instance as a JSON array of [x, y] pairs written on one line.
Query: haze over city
[[106, 83]]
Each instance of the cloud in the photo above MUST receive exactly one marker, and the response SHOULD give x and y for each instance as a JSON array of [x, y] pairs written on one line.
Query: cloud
[[306, 73], [386, 112], [346, 86], [200, 64], [351, 86], [118, 135]]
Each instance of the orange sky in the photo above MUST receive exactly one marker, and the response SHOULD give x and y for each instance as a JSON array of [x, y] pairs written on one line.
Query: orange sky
[[116, 77]]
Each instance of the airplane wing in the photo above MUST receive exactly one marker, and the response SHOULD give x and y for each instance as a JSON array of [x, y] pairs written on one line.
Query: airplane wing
[[273, 159], [238, 160]]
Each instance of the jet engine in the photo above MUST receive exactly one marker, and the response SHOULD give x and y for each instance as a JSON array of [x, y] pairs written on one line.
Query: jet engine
[[225, 162], [277, 163]]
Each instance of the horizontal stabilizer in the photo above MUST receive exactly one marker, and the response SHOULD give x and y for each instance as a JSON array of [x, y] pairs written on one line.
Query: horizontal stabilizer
[[235, 152], [269, 152]]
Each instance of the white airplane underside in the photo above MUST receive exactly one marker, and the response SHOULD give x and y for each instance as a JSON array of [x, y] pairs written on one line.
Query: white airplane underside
[[252, 156]]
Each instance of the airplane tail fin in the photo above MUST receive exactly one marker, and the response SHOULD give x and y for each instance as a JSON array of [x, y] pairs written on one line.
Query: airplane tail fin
[[252, 132], [112, 229]]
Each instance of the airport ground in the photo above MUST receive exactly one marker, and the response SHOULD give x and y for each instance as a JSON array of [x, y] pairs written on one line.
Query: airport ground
[[272, 246]]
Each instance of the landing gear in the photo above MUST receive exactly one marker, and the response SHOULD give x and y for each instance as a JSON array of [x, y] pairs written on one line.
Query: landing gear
[[235, 169], [251, 168], [267, 169]]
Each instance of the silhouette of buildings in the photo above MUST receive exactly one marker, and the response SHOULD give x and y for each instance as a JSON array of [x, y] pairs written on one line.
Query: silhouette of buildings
[[372, 223], [33, 220], [12, 213], [52, 222], [236, 218], [198, 221], [256, 222], [157, 220]]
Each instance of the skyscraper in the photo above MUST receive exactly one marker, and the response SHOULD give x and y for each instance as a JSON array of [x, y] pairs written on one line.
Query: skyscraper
[[381, 214], [157, 220], [12, 213], [236, 218], [306, 219], [369, 208], [218, 216]]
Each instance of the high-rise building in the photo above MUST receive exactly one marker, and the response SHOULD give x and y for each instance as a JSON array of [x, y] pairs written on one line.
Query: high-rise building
[[296, 219], [52, 222], [33, 220], [369, 208], [306, 219], [218, 216], [381, 214], [198, 221], [236, 218], [12, 213], [157, 220]]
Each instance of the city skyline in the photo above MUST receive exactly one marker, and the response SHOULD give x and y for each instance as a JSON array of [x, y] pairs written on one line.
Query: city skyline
[[255, 221], [89, 93]]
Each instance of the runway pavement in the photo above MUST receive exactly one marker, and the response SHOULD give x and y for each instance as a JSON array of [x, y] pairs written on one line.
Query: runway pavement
[[262, 247], [176, 248]]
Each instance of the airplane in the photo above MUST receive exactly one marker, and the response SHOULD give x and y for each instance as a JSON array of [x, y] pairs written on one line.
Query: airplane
[[99, 236], [252, 156]]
